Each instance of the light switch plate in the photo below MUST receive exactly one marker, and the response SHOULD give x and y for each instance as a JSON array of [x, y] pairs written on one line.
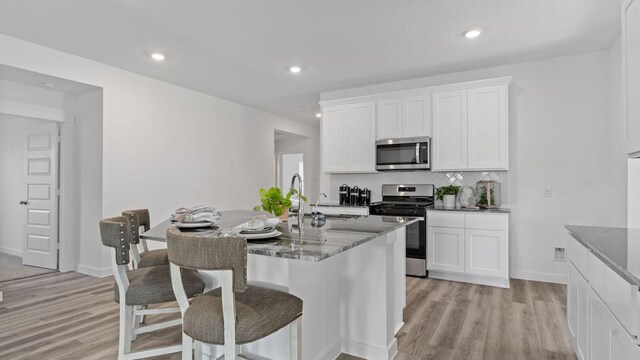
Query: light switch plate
[[548, 192]]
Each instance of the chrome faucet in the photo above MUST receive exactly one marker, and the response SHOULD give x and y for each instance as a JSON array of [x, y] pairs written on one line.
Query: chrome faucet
[[319, 197], [300, 205]]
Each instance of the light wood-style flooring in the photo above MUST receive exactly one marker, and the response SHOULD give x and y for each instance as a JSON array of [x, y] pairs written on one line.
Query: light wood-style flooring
[[72, 316]]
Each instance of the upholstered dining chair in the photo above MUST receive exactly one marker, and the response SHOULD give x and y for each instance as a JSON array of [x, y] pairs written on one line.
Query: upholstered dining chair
[[234, 313], [142, 287], [143, 257]]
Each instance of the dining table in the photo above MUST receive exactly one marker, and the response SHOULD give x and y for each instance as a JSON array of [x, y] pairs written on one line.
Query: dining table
[[348, 270]]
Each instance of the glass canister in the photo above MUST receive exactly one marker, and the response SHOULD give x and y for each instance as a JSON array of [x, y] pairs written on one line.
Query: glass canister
[[488, 194]]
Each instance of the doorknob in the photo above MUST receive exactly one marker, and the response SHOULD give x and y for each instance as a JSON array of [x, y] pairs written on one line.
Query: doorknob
[[23, 202]]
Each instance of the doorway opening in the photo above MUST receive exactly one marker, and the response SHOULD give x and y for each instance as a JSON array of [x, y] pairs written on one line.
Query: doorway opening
[[43, 146], [289, 160]]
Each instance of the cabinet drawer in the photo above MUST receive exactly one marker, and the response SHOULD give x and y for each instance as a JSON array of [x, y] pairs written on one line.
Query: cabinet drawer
[[577, 254], [487, 221], [597, 274], [445, 219], [621, 297]]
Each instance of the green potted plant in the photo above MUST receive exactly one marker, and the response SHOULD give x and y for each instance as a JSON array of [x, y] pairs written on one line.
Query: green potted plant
[[274, 202], [448, 196]]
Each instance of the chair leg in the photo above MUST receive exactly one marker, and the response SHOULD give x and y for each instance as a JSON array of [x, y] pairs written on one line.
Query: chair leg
[[126, 330], [230, 351], [198, 350], [295, 340], [187, 347]]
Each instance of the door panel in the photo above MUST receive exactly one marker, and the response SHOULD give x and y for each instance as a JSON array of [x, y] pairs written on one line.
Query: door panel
[[417, 116], [334, 138], [40, 246], [485, 251], [389, 119], [450, 131], [445, 249], [361, 142], [487, 126]]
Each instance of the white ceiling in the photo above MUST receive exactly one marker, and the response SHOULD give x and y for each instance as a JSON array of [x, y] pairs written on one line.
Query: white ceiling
[[30, 78], [240, 49]]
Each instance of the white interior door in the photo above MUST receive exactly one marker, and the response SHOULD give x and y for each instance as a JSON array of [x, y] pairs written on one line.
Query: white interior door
[[40, 246]]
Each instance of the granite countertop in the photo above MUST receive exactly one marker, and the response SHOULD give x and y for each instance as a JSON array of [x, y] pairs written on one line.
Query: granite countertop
[[312, 244], [497, 211], [618, 248]]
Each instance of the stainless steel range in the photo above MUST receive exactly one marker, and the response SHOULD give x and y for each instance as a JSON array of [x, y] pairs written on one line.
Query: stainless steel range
[[402, 200]]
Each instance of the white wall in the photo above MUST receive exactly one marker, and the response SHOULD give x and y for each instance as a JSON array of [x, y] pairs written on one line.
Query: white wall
[[564, 134], [166, 146], [13, 132]]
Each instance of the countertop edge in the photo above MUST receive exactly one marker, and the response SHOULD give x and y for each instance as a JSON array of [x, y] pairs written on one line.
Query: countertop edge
[[611, 264], [317, 258], [474, 211]]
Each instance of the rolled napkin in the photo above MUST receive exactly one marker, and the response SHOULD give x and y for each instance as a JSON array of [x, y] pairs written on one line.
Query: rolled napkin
[[257, 224], [200, 213]]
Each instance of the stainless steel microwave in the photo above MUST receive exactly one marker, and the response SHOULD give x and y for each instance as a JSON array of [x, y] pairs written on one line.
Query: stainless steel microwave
[[403, 154]]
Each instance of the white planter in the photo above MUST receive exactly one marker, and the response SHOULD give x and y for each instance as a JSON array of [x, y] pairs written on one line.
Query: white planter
[[449, 201]]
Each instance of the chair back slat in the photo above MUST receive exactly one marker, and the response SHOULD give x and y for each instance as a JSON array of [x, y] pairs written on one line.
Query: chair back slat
[[136, 219], [210, 253], [115, 233]]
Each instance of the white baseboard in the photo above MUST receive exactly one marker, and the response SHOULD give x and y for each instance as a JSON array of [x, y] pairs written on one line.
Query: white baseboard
[[468, 278], [10, 251], [369, 352], [538, 276], [93, 271]]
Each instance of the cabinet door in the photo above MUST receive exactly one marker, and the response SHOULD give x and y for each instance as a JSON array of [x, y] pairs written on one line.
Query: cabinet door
[[445, 249], [572, 301], [631, 72], [583, 316], [487, 129], [486, 252], [449, 145], [608, 339], [335, 138], [389, 119], [361, 139], [417, 116]]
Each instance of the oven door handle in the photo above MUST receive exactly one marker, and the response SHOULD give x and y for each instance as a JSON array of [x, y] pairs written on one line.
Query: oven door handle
[[417, 153]]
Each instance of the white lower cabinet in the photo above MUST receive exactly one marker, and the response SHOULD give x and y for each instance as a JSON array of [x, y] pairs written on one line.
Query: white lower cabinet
[[468, 247], [445, 250], [597, 322], [577, 295]]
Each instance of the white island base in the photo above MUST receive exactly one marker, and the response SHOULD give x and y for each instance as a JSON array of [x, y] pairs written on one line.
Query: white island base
[[353, 301]]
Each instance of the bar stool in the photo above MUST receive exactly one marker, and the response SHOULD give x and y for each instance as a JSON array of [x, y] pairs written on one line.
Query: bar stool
[[235, 313], [136, 219], [141, 288]]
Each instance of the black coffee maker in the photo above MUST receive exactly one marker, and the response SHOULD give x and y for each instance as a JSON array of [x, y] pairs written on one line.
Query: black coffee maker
[[354, 199], [365, 197], [345, 193]]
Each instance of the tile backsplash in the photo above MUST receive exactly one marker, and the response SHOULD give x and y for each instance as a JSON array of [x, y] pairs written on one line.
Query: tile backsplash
[[374, 181]]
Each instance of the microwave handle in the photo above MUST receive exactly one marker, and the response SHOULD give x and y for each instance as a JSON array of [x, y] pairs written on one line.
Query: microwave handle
[[417, 153]]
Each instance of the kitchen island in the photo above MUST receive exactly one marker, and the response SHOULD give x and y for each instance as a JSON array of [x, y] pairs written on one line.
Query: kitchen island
[[350, 273]]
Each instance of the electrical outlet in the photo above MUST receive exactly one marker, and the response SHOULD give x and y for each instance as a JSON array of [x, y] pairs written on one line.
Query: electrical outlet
[[547, 192], [560, 254]]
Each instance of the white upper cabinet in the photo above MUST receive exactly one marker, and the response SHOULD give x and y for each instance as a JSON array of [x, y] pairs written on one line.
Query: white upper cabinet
[[631, 73], [335, 138], [470, 129], [389, 119], [449, 143], [416, 120], [467, 123], [348, 138], [362, 146], [487, 129]]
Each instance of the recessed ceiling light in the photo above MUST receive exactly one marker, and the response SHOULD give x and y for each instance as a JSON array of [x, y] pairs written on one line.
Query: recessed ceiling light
[[318, 115], [295, 69], [472, 34], [157, 56], [48, 84]]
